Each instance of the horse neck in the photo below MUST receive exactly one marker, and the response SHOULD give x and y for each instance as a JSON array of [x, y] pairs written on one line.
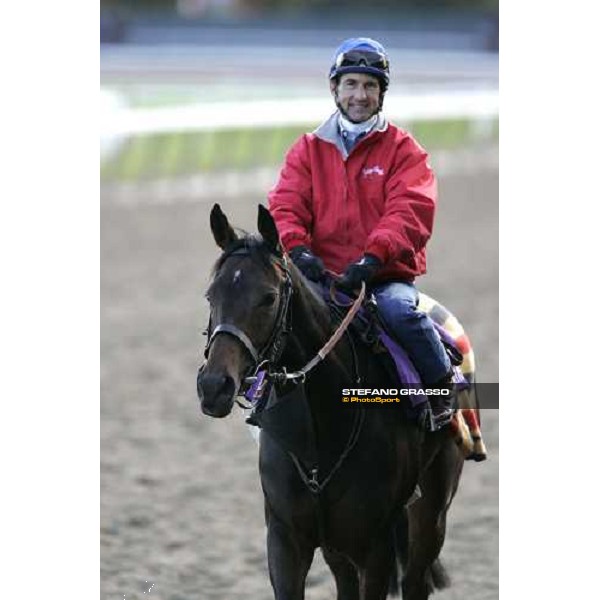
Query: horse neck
[[311, 328]]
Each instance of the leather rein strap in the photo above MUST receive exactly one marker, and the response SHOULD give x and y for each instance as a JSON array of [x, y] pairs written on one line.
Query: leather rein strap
[[282, 326], [331, 342]]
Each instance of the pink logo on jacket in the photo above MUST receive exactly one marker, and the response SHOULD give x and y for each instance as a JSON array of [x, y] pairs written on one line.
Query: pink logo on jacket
[[372, 171]]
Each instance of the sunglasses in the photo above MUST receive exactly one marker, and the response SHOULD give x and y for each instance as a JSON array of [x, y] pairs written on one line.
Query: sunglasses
[[356, 58]]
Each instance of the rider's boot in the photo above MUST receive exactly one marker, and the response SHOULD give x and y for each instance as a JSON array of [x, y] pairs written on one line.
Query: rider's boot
[[441, 405]]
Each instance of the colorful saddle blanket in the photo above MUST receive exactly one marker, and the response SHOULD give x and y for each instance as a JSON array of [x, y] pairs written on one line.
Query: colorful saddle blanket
[[450, 328]]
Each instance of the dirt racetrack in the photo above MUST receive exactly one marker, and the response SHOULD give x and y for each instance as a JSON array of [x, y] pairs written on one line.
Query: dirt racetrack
[[181, 504]]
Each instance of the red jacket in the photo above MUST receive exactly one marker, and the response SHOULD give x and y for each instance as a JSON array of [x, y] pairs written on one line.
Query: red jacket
[[379, 200]]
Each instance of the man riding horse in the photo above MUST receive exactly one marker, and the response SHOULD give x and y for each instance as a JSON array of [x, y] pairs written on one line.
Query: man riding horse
[[357, 196]]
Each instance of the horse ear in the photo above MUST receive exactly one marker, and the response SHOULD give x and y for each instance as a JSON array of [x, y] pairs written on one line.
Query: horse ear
[[268, 229], [221, 229]]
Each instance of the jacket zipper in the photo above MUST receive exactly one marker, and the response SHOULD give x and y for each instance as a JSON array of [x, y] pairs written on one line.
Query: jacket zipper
[[346, 203]]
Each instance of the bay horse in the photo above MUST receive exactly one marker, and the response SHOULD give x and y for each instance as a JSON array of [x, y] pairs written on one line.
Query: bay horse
[[359, 501]]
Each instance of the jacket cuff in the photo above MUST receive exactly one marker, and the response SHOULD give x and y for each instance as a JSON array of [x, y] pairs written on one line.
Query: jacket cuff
[[293, 240], [378, 253]]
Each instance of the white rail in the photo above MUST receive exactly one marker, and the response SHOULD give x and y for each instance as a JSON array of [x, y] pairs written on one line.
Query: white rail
[[476, 104]]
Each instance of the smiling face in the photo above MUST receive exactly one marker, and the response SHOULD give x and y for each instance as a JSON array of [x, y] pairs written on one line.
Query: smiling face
[[357, 95]]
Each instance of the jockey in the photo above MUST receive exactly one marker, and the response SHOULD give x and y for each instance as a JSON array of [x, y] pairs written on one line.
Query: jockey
[[357, 196]]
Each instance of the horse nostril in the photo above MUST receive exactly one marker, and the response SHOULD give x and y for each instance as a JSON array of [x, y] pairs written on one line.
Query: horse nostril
[[211, 385], [215, 393], [225, 386]]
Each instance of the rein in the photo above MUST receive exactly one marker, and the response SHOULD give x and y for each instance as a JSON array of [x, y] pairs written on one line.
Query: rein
[[264, 378], [270, 354], [256, 387], [300, 375]]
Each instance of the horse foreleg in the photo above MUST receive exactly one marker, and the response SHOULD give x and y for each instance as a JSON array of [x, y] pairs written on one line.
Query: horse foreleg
[[345, 573], [374, 576], [427, 525], [289, 560]]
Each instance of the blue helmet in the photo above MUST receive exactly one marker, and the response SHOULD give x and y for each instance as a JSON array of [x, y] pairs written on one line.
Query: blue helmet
[[361, 55]]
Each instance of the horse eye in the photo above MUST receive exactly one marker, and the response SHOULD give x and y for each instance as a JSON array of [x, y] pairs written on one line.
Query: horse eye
[[268, 299]]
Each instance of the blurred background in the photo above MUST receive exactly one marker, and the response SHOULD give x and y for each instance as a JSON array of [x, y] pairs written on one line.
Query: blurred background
[[199, 101], [200, 86]]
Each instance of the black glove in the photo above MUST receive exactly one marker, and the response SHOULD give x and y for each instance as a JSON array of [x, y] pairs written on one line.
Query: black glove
[[363, 270], [311, 266]]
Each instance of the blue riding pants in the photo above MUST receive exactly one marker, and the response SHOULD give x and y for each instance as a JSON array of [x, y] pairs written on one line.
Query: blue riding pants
[[397, 307]]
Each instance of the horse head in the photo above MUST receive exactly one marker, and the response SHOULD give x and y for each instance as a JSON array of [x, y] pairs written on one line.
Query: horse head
[[249, 296]]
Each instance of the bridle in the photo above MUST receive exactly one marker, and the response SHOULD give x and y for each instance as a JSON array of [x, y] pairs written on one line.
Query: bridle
[[273, 347], [255, 387], [265, 359]]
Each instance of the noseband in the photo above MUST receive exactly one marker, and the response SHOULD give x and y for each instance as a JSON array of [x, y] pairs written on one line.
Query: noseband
[[273, 348]]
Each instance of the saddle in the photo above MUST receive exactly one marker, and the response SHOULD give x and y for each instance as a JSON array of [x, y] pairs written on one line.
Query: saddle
[[370, 329]]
